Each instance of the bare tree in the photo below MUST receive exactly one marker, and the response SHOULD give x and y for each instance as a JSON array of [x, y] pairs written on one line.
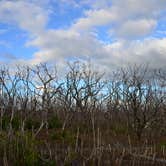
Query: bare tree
[[9, 85], [85, 85], [137, 93], [46, 88]]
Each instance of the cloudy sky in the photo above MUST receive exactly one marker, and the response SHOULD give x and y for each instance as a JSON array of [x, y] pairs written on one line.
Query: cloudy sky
[[110, 33]]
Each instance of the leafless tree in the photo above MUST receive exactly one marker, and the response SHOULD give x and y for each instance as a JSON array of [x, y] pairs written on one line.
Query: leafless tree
[[9, 88], [46, 88], [85, 86], [139, 96]]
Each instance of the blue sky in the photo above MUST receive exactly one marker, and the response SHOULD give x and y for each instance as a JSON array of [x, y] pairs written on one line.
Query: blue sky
[[111, 33]]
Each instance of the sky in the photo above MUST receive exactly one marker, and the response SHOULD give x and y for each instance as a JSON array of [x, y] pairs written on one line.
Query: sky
[[109, 33]]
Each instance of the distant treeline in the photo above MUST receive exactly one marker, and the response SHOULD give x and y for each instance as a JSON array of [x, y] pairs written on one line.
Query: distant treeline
[[136, 92]]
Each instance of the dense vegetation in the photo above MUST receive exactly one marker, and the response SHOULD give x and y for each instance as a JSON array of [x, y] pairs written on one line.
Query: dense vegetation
[[82, 118]]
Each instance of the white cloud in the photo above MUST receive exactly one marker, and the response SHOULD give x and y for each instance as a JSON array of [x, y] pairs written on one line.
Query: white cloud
[[94, 18], [57, 45], [150, 51], [137, 9], [136, 28], [26, 16], [129, 20], [61, 44]]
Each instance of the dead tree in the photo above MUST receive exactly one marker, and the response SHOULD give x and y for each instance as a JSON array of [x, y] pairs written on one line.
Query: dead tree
[[137, 95], [85, 86], [46, 88], [9, 88]]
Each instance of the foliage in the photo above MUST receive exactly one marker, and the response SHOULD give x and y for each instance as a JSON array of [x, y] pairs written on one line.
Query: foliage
[[64, 136], [20, 149], [16, 122], [32, 123], [54, 123]]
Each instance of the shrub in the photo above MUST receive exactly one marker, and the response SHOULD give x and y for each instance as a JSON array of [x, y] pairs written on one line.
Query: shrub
[[21, 149], [32, 123], [65, 136], [54, 123], [16, 122], [5, 122], [162, 144]]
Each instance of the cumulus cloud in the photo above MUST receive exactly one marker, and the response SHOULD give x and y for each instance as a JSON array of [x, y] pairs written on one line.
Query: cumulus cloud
[[136, 28], [25, 15], [130, 22], [94, 18], [150, 51], [64, 44]]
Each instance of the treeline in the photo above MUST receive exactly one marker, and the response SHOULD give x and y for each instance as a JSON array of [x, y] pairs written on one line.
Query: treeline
[[35, 98], [136, 92]]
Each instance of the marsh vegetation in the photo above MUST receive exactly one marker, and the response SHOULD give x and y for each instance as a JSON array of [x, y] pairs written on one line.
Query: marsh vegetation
[[83, 118]]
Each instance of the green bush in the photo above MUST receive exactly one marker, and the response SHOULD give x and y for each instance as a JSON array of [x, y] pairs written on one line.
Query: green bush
[[32, 123], [21, 149], [162, 144], [16, 122], [25, 147], [54, 123], [65, 136], [5, 122]]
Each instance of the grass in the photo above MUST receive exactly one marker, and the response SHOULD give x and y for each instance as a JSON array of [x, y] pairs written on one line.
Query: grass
[[54, 146]]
